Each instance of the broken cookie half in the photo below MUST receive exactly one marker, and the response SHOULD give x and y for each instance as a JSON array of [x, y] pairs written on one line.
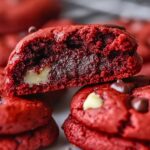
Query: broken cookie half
[[69, 56]]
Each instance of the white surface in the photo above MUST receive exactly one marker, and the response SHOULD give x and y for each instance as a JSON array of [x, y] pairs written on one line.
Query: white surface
[[94, 11]]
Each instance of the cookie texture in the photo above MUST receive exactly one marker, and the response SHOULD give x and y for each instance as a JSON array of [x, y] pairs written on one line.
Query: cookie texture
[[109, 116], [17, 18], [34, 140], [68, 56], [141, 30], [88, 139], [131, 104]]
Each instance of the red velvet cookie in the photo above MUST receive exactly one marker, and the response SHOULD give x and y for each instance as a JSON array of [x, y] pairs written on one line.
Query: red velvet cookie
[[60, 57], [87, 139], [111, 116], [33, 140], [19, 15], [19, 114], [141, 30], [119, 108]]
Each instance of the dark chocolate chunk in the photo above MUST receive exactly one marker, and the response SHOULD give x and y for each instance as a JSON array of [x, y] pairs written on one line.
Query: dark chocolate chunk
[[122, 87], [32, 29], [140, 104]]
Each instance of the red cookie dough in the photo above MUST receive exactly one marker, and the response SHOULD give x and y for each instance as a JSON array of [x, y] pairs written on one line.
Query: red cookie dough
[[141, 30], [88, 139], [32, 140], [125, 109], [68, 56], [19, 15]]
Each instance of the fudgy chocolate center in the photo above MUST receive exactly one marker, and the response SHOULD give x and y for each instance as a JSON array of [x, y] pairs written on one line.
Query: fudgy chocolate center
[[76, 56]]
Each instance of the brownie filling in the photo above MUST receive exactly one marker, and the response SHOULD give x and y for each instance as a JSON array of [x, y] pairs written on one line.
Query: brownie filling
[[77, 56]]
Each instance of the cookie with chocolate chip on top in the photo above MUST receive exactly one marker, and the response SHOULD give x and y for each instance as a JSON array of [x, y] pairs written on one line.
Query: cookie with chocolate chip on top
[[68, 56], [120, 109]]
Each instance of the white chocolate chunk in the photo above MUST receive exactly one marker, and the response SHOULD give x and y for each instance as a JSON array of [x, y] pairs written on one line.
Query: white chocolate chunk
[[93, 100], [31, 77]]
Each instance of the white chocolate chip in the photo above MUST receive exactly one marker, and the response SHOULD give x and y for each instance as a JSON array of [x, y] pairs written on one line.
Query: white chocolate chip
[[93, 100], [32, 77]]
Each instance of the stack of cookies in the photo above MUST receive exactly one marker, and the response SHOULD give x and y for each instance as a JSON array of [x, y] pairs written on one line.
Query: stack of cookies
[[106, 116], [25, 124], [110, 113]]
